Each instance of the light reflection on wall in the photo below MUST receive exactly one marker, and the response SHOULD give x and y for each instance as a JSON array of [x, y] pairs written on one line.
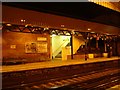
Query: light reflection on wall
[[111, 4]]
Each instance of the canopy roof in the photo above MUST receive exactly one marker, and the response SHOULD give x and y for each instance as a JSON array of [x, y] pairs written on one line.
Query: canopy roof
[[35, 18]]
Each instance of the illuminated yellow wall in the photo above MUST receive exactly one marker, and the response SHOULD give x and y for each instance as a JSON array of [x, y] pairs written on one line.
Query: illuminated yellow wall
[[77, 42]]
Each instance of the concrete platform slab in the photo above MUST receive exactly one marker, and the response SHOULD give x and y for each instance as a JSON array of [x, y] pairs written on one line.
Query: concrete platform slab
[[52, 63]]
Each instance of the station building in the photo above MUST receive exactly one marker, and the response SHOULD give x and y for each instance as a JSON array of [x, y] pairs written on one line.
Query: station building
[[31, 36]]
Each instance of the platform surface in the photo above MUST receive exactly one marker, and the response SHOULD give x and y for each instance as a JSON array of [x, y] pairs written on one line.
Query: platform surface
[[52, 63]]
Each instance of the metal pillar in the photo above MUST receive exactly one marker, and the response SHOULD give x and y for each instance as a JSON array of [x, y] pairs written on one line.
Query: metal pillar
[[86, 51], [71, 42], [105, 48], [88, 41]]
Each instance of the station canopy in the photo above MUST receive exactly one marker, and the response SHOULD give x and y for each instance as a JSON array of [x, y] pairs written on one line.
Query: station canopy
[[96, 17]]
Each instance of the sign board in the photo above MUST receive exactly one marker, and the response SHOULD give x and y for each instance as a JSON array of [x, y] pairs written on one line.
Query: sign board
[[36, 47], [42, 47], [41, 39], [30, 47]]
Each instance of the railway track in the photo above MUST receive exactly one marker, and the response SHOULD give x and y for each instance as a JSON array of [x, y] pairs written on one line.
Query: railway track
[[98, 80], [96, 84]]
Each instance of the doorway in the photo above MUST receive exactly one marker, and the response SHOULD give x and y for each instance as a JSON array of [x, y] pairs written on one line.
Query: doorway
[[59, 42]]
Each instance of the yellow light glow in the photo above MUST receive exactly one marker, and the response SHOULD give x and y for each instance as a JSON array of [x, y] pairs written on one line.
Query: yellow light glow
[[26, 25], [53, 35], [46, 28], [91, 55], [62, 25], [105, 54], [107, 3], [8, 24], [89, 29], [22, 20], [41, 39], [12, 46], [92, 32]]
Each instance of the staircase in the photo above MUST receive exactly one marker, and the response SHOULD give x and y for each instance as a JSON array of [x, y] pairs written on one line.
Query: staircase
[[59, 55]]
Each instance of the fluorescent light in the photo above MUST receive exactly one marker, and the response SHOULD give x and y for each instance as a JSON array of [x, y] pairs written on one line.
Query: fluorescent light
[[53, 35]]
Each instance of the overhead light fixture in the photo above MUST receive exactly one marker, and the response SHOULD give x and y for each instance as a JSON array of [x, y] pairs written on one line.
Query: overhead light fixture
[[89, 29], [62, 25], [46, 28], [92, 32], [22, 20], [8, 24], [28, 25], [107, 34]]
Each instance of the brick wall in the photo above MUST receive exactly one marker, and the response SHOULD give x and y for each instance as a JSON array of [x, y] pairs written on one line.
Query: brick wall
[[19, 39]]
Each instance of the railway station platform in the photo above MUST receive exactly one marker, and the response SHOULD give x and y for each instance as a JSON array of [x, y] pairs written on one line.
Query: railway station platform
[[14, 76], [51, 64]]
